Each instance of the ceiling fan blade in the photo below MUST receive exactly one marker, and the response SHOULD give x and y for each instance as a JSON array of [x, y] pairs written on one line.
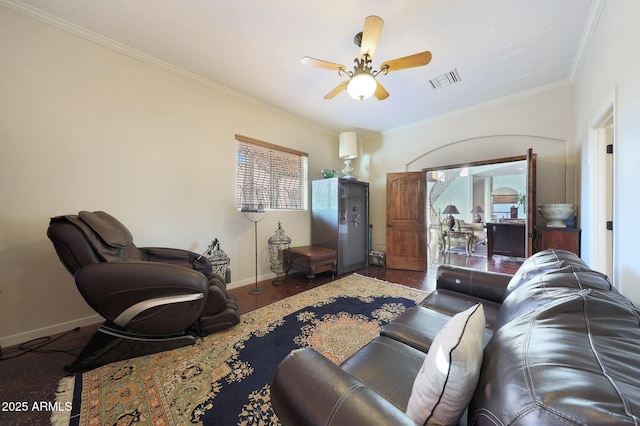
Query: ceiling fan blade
[[417, 60], [339, 88], [380, 93], [321, 64], [370, 35]]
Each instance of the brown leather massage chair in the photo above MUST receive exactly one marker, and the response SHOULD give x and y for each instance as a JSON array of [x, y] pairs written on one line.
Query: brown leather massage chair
[[153, 299]]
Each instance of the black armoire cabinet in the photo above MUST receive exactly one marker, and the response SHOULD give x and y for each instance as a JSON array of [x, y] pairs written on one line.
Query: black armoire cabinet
[[340, 220]]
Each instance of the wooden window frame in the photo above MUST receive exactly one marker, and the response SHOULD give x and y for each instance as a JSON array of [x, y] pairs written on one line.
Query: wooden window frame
[[270, 176]]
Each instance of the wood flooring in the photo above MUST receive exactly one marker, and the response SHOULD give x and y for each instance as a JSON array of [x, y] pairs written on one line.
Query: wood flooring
[[32, 376]]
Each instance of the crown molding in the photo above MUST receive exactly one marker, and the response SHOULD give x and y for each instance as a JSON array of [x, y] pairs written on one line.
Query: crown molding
[[587, 36], [114, 45], [89, 35]]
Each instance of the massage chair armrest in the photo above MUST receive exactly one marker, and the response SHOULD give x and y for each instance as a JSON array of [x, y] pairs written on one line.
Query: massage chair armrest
[[309, 389], [113, 289], [180, 257], [472, 282]]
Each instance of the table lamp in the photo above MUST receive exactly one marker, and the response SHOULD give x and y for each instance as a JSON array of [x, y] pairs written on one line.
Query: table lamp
[[476, 214], [450, 220], [347, 151]]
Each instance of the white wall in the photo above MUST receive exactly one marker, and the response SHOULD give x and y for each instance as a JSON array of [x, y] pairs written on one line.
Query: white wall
[[83, 127], [505, 128], [611, 71]]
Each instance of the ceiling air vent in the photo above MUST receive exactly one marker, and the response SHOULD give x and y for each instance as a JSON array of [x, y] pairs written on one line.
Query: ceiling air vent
[[445, 80]]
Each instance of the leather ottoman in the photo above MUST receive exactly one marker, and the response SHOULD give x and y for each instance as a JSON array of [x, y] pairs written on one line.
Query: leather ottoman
[[312, 260]]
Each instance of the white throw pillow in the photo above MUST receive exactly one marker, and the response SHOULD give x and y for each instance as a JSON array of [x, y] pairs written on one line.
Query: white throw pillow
[[450, 372]]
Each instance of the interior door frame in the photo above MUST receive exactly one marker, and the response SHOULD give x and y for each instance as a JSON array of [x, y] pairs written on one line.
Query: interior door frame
[[602, 177], [530, 158], [530, 220]]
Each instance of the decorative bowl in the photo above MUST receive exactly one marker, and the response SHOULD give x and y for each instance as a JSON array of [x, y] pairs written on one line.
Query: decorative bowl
[[555, 214], [328, 173]]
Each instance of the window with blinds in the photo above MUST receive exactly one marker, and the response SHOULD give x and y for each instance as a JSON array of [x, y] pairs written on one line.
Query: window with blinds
[[270, 177]]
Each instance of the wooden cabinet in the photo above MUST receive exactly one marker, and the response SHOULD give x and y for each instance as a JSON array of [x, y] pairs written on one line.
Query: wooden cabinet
[[507, 239], [559, 238]]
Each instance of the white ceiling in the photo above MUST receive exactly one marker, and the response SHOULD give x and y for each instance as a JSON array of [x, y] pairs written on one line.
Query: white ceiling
[[499, 48]]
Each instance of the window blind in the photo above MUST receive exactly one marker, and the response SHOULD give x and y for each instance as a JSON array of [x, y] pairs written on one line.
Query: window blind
[[270, 176]]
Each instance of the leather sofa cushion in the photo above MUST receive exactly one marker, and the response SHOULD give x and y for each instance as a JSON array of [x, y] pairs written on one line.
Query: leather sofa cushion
[[309, 389], [371, 365], [545, 288], [481, 284], [418, 326], [451, 302], [543, 262], [571, 361]]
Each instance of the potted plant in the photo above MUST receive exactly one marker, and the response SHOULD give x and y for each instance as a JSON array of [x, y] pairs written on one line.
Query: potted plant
[[520, 199]]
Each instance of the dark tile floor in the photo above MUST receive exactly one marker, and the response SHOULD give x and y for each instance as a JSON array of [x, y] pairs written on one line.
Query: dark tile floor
[[33, 377]]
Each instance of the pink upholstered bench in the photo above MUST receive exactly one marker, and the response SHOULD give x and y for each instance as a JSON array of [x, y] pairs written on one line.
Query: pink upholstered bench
[[312, 260]]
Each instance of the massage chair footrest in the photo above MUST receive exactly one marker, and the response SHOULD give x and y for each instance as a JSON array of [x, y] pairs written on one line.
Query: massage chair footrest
[[111, 343]]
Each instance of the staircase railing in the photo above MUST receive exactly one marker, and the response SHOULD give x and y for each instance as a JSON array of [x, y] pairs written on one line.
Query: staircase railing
[[445, 179]]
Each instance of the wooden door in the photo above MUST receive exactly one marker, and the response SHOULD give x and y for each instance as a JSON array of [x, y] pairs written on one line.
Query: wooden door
[[531, 201], [406, 221]]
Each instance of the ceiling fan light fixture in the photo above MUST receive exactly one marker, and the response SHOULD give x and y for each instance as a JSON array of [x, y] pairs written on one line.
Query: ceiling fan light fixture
[[361, 86], [362, 82]]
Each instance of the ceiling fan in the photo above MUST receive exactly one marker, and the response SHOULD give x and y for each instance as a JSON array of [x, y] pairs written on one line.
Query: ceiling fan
[[362, 81]]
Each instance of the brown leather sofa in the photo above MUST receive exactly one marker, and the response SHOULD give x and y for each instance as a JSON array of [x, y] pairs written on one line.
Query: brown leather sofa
[[561, 348]]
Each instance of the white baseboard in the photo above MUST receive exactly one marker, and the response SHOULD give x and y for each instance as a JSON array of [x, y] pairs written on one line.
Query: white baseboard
[[20, 338], [252, 280], [17, 339]]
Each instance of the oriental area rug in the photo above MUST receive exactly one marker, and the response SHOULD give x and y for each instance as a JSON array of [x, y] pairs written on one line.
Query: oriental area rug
[[224, 378]]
